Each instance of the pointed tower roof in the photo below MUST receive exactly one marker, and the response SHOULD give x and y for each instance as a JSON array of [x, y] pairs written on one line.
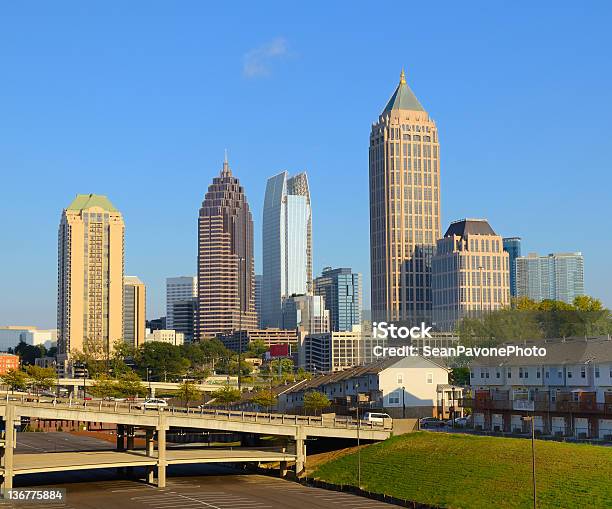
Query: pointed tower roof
[[226, 169], [403, 98]]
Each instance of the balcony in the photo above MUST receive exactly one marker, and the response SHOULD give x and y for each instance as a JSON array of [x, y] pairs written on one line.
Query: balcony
[[586, 407]]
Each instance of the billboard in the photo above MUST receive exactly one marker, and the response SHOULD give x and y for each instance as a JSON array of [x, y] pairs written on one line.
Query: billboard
[[279, 350]]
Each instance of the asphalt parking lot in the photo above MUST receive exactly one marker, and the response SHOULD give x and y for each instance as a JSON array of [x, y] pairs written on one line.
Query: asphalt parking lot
[[205, 486], [189, 486]]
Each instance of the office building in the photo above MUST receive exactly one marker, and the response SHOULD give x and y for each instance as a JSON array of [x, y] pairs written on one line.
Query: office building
[[165, 336], [557, 276], [258, 290], [12, 335], [178, 288], [512, 246], [470, 273], [270, 337], [341, 289], [404, 208], [8, 362], [226, 276], [90, 276], [305, 313], [157, 323], [134, 311], [184, 314], [332, 351], [287, 243]]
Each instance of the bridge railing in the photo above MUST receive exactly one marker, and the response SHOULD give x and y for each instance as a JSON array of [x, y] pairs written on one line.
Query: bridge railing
[[129, 407]]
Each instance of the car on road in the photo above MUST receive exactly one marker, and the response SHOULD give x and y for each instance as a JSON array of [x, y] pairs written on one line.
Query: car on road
[[431, 422], [152, 404], [460, 422], [376, 417]]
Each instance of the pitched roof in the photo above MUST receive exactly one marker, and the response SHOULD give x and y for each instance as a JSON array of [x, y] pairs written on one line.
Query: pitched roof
[[403, 98], [558, 352], [469, 227], [86, 201]]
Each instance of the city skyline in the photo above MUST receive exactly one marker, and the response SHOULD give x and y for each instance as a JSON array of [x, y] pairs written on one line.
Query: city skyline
[[114, 149]]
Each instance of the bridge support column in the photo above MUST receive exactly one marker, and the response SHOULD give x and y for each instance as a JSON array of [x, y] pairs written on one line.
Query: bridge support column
[[130, 437], [161, 451], [150, 450], [120, 437], [300, 451], [9, 445]]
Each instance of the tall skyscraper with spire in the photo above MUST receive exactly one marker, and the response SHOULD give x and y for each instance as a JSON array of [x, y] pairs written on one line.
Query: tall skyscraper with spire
[[226, 273], [404, 208], [287, 244]]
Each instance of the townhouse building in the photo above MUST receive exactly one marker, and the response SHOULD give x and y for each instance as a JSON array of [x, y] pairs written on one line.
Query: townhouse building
[[568, 391]]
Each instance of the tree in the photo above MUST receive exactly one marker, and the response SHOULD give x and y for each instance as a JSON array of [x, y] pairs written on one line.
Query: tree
[[264, 398], [16, 379], [187, 392], [29, 353], [104, 387], [459, 376], [315, 401], [257, 348], [41, 378], [164, 359], [130, 385], [226, 395]]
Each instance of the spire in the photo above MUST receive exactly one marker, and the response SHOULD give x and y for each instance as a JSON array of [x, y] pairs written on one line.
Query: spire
[[226, 169], [403, 98]]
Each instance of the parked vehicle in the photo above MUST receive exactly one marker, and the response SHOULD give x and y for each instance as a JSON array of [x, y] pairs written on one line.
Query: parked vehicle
[[152, 404], [431, 422], [460, 422], [376, 417]]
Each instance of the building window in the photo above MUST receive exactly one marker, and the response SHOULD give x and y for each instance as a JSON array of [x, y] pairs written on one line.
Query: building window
[[471, 374], [569, 373], [538, 375], [520, 372], [394, 399], [596, 371], [429, 378], [582, 372], [400, 379]]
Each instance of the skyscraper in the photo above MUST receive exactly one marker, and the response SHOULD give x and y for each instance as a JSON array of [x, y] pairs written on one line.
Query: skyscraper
[[557, 276], [184, 313], [404, 208], [90, 276], [258, 290], [226, 289], [287, 244], [342, 291], [470, 273], [512, 246], [134, 311], [178, 289]]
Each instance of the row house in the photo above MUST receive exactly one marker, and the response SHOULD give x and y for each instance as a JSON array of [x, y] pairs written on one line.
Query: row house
[[568, 391]]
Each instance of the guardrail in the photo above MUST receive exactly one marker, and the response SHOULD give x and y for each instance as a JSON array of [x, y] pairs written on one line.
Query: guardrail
[[231, 415]]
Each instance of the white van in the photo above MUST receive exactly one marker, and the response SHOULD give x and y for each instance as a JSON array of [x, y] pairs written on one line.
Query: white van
[[378, 418]]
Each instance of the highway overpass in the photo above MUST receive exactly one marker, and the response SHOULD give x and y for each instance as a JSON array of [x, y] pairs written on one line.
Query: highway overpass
[[155, 423]]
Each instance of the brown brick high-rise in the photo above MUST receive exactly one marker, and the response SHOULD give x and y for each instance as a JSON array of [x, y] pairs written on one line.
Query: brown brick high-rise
[[226, 277]]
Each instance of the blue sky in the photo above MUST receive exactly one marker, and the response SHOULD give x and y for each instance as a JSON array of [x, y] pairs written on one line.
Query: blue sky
[[138, 100]]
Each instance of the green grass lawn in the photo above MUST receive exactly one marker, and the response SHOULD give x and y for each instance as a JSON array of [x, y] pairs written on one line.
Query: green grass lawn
[[465, 471]]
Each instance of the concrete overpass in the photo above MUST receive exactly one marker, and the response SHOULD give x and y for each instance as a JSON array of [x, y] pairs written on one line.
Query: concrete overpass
[[129, 416], [77, 383]]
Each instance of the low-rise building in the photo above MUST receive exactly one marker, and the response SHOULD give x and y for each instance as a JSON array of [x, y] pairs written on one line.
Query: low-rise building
[[8, 362], [401, 387], [12, 335], [165, 336], [568, 392], [270, 337]]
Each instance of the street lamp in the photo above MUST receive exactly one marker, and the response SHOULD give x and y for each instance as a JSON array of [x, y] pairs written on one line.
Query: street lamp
[[149, 380], [403, 402], [358, 437], [533, 471]]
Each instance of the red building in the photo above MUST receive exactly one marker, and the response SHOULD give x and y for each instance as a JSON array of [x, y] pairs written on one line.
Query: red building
[[8, 362]]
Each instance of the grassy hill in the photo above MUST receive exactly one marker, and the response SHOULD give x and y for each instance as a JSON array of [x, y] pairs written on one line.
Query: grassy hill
[[464, 471]]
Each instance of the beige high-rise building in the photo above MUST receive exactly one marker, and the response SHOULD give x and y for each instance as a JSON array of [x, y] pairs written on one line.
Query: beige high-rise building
[[404, 208], [471, 274], [226, 273], [90, 276], [134, 311]]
